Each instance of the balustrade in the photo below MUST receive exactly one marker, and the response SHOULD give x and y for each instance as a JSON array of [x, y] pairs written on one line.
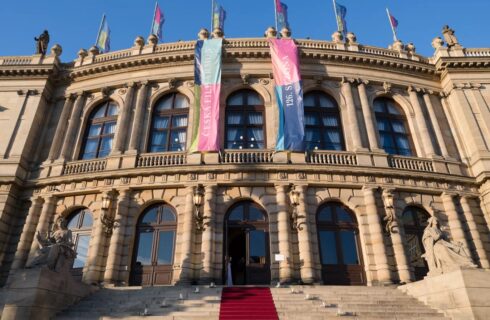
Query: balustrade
[[84, 166], [161, 159]]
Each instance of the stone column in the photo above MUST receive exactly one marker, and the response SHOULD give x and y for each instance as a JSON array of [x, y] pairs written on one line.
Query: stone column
[[376, 234], [60, 128], [435, 124], [369, 120], [28, 234], [351, 115], [457, 232], [187, 273], [283, 234], [113, 264], [73, 125], [396, 233], [421, 124], [122, 131], [475, 234], [304, 239], [47, 213], [139, 114], [208, 234]]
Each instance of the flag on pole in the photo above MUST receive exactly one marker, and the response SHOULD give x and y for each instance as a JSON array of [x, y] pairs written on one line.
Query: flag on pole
[[341, 13], [281, 15], [219, 16], [289, 95], [393, 24], [103, 41], [157, 23], [207, 88]]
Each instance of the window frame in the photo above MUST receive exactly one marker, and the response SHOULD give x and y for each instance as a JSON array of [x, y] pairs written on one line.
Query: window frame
[[80, 230]]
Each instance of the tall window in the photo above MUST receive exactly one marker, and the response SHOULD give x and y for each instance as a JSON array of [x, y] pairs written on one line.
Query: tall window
[[100, 131], [80, 223], [392, 127], [244, 121], [323, 129], [414, 222], [169, 124]]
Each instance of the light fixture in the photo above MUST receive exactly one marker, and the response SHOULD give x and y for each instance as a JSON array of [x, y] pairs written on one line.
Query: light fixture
[[294, 197], [198, 201]]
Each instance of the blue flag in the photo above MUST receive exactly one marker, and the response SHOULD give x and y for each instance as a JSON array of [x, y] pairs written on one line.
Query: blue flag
[[340, 13], [281, 15], [104, 37], [219, 16]]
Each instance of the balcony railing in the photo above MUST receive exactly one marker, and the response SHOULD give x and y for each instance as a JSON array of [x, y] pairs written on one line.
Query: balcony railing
[[332, 158], [247, 156], [85, 166], [406, 163], [161, 159]]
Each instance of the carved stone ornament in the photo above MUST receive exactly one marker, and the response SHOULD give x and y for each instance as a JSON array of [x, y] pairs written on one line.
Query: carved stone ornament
[[172, 83], [93, 51], [139, 42], [105, 91], [56, 50], [152, 40], [351, 38], [245, 78], [437, 43], [450, 37], [443, 256], [203, 34], [386, 87], [337, 37], [391, 225], [218, 33], [286, 33], [270, 32], [264, 82], [410, 47], [82, 53], [398, 46]]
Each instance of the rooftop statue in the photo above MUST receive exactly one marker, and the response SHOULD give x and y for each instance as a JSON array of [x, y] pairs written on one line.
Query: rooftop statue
[[203, 34], [285, 33], [42, 43], [441, 255], [218, 33], [270, 32], [449, 37], [56, 249]]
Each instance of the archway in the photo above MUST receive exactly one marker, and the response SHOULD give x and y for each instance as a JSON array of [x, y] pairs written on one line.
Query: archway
[[340, 250], [247, 244], [154, 248], [414, 221]]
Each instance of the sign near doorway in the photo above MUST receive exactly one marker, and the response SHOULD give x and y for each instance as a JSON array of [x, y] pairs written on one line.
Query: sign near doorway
[[279, 257]]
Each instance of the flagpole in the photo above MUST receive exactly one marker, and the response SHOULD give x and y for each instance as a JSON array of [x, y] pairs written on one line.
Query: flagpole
[[391, 24], [100, 29], [336, 16], [153, 20]]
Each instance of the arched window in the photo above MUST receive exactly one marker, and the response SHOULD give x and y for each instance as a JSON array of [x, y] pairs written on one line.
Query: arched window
[[99, 135], [169, 124], [414, 221], [244, 128], [392, 127], [155, 245], [340, 250], [323, 128], [80, 223]]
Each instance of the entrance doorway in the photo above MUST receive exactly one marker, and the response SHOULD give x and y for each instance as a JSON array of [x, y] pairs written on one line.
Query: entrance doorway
[[154, 250], [414, 221], [247, 245]]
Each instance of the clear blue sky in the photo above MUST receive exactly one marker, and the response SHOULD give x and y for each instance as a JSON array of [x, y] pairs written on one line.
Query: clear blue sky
[[74, 24]]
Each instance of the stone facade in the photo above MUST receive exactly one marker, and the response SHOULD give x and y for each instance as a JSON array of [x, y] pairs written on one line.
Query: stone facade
[[44, 110]]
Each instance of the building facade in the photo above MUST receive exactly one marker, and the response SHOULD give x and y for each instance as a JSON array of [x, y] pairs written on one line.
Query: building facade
[[392, 138]]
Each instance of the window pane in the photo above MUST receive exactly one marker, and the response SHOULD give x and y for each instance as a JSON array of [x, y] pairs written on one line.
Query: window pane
[[309, 100], [383, 124], [332, 136], [386, 140], [379, 106], [177, 140], [407, 218], [330, 121], [159, 138], [234, 118], [181, 102], [255, 214], [167, 215], [392, 109], [325, 102], [112, 109], [105, 146], [82, 251], [236, 214], [165, 247], [236, 99], [160, 122], [415, 250], [109, 128], [88, 156], [73, 223], [398, 126], [94, 130], [87, 219], [179, 121], [100, 113], [328, 247], [255, 118], [311, 119], [325, 215], [349, 248], [402, 142], [343, 216], [164, 104], [150, 216], [255, 135], [257, 246], [143, 256], [253, 99], [91, 145]]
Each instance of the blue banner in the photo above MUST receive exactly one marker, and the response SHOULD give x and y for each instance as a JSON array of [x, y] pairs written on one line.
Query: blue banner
[[291, 130]]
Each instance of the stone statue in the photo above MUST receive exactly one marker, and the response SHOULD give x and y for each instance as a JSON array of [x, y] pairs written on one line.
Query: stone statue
[[337, 37], [203, 34], [42, 43], [285, 33], [218, 33], [56, 249], [270, 32], [441, 255], [449, 37]]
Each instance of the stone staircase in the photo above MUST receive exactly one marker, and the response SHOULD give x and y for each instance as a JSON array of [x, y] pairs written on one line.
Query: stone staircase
[[131, 302], [353, 302]]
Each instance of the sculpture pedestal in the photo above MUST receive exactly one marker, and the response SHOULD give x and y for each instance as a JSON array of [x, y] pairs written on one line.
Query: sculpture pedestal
[[41, 293], [460, 294]]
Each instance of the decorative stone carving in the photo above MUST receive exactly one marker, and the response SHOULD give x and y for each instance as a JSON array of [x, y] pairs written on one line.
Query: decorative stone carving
[[172, 83], [398, 46], [270, 32], [450, 37], [386, 87], [55, 249], [203, 34], [105, 91], [42, 43], [152, 40], [139, 42], [82, 53], [56, 50], [437, 43], [410, 47], [286, 33], [391, 225], [351, 38], [245, 78], [443, 256], [337, 37], [218, 33]]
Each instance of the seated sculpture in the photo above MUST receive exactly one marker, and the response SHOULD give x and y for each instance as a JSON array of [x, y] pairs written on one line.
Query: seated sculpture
[[442, 255], [56, 249]]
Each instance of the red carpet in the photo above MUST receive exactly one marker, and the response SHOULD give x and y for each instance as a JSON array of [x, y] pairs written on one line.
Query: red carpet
[[247, 304]]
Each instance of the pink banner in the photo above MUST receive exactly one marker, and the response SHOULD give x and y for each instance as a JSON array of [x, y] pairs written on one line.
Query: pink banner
[[209, 122], [285, 64]]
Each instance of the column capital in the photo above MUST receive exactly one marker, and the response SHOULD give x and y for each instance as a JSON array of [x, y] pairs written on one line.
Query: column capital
[[451, 194], [413, 89], [370, 188], [124, 194], [131, 84], [281, 187], [345, 81], [70, 96], [360, 82]]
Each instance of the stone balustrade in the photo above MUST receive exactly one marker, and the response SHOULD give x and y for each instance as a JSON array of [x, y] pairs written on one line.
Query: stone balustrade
[[84, 166], [408, 163], [161, 159], [247, 156], [332, 158], [15, 61]]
